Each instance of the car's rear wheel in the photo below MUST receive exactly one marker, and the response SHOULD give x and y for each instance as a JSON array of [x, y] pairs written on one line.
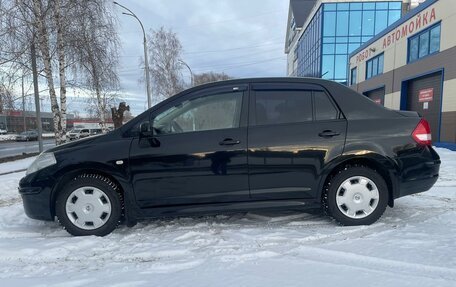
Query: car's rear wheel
[[356, 196], [89, 205]]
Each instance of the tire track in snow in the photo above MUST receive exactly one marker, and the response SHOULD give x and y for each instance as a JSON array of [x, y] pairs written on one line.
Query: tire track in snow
[[9, 202], [353, 260]]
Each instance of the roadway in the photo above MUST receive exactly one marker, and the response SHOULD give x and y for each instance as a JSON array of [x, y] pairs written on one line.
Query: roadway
[[17, 148]]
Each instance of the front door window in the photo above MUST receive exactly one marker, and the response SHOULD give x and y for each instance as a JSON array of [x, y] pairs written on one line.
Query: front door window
[[214, 112]]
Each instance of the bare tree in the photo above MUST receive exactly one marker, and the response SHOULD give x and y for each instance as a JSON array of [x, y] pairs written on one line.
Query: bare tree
[[165, 50], [41, 14], [210, 77], [61, 27], [14, 49], [32, 23], [6, 99], [97, 110], [96, 54], [67, 34]]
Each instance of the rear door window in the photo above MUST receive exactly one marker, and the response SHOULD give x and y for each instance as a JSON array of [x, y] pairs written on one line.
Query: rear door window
[[324, 108], [283, 106]]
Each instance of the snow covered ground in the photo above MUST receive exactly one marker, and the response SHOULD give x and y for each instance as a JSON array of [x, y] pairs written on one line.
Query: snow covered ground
[[14, 166], [412, 245]]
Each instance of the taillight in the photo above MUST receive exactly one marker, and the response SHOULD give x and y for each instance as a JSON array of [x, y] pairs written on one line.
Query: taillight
[[422, 133]]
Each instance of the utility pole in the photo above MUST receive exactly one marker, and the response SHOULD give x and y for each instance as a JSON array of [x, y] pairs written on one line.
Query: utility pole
[[146, 59], [37, 96], [23, 105], [146, 67]]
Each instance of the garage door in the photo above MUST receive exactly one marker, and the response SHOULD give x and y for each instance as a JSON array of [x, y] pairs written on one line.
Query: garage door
[[377, 96], [424, 96]]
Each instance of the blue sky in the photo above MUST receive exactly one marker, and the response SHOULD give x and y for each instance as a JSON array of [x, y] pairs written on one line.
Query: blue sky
[[239, 37], [242, 38]]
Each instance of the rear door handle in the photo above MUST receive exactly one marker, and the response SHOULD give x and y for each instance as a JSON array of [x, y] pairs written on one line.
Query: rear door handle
[[328, 134], [229, 142]]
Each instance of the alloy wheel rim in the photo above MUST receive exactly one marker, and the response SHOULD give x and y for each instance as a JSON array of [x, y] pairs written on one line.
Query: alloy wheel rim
[[357, 197], [88, 208]]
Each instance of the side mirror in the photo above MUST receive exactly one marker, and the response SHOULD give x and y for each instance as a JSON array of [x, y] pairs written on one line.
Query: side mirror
[[145, 129]]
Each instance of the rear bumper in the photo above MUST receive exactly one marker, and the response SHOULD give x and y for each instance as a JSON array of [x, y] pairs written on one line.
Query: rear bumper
[[417, 186], [420, 174]]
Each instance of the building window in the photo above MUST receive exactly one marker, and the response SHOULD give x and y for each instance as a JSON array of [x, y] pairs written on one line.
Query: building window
[[374, 66], [353, 75], [295, 54], [425, 43], [345, 27], [309, 48]]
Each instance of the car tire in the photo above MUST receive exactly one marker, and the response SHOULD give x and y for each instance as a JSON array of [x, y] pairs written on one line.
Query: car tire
[[90, 204], [356, 195]]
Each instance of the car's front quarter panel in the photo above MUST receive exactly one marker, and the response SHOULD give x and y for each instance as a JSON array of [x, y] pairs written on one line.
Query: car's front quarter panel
[[106, 156]]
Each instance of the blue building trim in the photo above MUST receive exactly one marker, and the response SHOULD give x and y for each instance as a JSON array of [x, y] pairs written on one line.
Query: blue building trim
[[393, 26], [450, 146]]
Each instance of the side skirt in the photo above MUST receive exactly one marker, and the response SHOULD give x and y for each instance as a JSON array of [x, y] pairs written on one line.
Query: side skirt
[[223, 208]]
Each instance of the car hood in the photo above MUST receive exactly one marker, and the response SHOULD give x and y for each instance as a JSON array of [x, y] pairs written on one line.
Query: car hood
[[85, 142], [75, 144]]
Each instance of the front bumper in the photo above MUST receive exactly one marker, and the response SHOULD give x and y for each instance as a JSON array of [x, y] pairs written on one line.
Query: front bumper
[[36, 198]]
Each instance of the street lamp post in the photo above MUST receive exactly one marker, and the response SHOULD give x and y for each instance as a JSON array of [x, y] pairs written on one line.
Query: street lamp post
[[146, 59], [191, 72]]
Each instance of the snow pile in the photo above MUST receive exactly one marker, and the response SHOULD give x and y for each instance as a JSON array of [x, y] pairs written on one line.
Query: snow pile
[[8, 137], [12, 137], [412, 245]]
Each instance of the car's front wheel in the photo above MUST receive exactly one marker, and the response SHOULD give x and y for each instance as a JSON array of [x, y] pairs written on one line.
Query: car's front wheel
[[89, 205], [356, 196]]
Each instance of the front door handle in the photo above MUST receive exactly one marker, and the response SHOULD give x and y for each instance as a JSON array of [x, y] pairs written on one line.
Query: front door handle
[[328, 134], [229, 142]]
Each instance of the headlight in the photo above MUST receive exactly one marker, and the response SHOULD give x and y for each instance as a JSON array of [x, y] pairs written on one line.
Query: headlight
[[43, 160]]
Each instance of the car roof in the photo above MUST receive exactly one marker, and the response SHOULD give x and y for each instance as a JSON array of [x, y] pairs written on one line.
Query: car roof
[[352, 104], [303, 80]]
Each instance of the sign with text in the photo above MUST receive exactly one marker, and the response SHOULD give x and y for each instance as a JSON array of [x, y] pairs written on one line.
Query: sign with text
[[426, 95], [409, 28]]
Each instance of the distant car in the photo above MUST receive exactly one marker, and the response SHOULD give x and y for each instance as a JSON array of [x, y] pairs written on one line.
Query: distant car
[[3, 131], [234, 146], [76, 134], [94, 132], [27, 136]]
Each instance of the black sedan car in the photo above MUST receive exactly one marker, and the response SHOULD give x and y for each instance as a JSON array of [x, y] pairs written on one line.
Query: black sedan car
[[237, 146], [27, 136]]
